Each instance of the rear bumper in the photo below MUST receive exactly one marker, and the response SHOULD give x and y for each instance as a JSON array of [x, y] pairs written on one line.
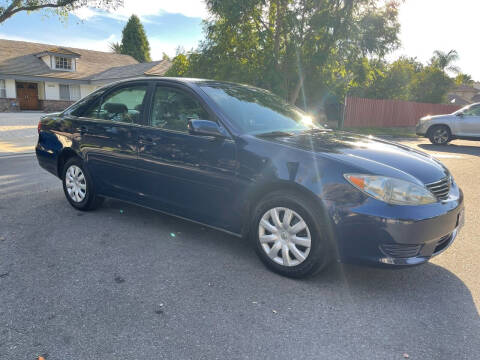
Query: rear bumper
[[387, 240], [47, 159]]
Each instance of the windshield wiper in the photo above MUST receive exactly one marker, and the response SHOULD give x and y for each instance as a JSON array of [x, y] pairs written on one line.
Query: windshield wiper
[[275, 134]]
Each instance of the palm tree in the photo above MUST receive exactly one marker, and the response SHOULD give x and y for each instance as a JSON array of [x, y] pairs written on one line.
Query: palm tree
[[444, 60], [464, 79], [115, 47]]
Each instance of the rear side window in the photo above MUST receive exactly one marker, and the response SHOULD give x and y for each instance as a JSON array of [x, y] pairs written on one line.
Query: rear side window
[[173, 108], [124, 105]]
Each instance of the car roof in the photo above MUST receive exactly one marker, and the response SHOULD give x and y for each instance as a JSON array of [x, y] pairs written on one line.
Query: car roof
[[182, 80]]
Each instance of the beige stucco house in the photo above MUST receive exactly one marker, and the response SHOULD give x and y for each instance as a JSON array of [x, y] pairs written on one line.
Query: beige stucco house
[[47, 77]]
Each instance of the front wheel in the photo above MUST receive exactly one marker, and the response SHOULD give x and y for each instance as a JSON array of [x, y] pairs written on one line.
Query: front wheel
[[289, 237], [78, 186], [440, 135]]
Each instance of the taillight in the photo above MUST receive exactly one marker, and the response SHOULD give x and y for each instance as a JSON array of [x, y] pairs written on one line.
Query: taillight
[[39, 127]]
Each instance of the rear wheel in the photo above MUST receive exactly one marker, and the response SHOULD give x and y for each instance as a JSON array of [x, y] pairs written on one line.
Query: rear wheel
[[78, 186], [439, 135], [289, 236]]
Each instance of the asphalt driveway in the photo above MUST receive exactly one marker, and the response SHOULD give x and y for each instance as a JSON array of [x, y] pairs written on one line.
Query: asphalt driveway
[[128, 283]]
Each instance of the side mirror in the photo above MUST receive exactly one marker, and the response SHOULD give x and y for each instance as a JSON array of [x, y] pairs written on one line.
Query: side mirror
[[460, 114], [205, 128]]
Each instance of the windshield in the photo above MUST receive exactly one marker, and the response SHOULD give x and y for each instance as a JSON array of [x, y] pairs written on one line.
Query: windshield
[[462, 109], [257, 111]]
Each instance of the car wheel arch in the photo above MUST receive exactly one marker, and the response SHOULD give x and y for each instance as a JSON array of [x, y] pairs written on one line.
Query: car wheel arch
[[433, 126], [65, 155], [261, 191]]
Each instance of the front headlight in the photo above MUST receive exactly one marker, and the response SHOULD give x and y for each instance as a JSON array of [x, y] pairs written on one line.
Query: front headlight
[[391, 190]]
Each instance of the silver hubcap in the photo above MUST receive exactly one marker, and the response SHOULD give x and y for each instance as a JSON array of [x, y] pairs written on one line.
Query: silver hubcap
[[75, 183], [284, 236], [440, 136]]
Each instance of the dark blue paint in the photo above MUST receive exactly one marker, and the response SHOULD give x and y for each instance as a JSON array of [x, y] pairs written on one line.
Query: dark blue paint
[[216, 181]]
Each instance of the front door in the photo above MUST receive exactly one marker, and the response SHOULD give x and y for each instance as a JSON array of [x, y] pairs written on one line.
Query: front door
[[27, 94], [185, 174]]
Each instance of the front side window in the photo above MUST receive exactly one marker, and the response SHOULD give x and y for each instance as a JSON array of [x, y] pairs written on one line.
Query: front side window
[[3, 90], [63, 63], [472, 111], [124, 105], [69, 92], [173, 108], [257, 111]]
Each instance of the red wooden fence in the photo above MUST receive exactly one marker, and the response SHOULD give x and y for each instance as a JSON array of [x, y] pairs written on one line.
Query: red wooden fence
[[361, 112]]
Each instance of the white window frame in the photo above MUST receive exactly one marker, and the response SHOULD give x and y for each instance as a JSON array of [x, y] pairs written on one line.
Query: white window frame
[[3, 88], [71, 92], [66, 63]]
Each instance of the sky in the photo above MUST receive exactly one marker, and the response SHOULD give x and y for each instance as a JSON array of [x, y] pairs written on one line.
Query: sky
[[426, 25]]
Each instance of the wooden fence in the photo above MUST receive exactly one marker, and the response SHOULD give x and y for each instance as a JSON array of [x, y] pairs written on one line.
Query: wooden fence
[[361, 112]]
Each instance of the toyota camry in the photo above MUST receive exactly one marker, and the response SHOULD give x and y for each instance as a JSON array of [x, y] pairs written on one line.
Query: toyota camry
[[241, 160]]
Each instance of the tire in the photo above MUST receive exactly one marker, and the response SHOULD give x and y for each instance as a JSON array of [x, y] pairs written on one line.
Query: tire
[[439, 135], [78, 186], [316, 257]]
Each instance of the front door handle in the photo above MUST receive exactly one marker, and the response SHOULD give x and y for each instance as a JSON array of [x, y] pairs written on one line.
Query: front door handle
[[146, 140]]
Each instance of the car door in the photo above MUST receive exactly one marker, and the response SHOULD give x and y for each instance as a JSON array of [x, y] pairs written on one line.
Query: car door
[[470, 121], [109, 138], [184, 174]]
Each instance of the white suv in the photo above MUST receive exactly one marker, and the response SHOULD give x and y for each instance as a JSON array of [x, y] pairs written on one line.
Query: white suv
[[462, 124]]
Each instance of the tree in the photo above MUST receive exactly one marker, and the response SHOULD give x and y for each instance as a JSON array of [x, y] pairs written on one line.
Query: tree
[[134, 40], [463, 79], [180, 66], [296, 48], [431, 85], [115, 47], [444, 61], [388, 80], [8, 8]]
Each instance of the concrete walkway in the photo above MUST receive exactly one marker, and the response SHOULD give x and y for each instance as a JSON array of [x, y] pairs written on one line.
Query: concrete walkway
[[18, 132]]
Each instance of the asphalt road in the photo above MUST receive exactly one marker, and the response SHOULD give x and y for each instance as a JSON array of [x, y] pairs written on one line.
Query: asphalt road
[[128, 283], [18, 132]]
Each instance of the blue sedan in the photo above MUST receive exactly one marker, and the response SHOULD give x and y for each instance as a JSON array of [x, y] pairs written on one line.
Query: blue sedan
[[242, 160]]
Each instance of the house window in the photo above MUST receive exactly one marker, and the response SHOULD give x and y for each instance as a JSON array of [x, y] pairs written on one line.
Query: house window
[[69, 92], [63, 63], [3, 90]]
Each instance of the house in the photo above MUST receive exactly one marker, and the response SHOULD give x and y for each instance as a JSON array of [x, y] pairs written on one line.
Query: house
[[464, 94], [45, 77]]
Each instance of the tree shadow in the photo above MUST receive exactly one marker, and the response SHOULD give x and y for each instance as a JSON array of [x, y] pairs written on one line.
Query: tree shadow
[[452, 148]]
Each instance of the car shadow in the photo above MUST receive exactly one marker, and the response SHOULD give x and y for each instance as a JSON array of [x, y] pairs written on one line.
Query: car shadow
[[426, 311], [452, 148]]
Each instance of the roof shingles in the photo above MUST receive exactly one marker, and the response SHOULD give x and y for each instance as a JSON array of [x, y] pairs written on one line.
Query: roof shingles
[[20, 58]]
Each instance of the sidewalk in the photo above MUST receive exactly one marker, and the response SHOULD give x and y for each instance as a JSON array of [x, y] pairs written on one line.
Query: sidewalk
[[18, 132]]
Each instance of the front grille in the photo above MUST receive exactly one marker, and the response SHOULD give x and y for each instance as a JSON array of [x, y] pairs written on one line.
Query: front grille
[[440, 188], [400, 250]]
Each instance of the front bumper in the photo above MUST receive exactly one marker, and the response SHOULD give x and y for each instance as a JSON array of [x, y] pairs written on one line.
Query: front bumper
[[379, 234], [421, 128]]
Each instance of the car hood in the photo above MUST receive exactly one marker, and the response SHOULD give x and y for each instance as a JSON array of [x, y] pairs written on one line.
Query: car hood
[[438, 117], [369, 154]]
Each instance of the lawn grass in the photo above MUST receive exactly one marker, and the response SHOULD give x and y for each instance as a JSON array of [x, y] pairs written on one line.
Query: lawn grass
[[401, 132]]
